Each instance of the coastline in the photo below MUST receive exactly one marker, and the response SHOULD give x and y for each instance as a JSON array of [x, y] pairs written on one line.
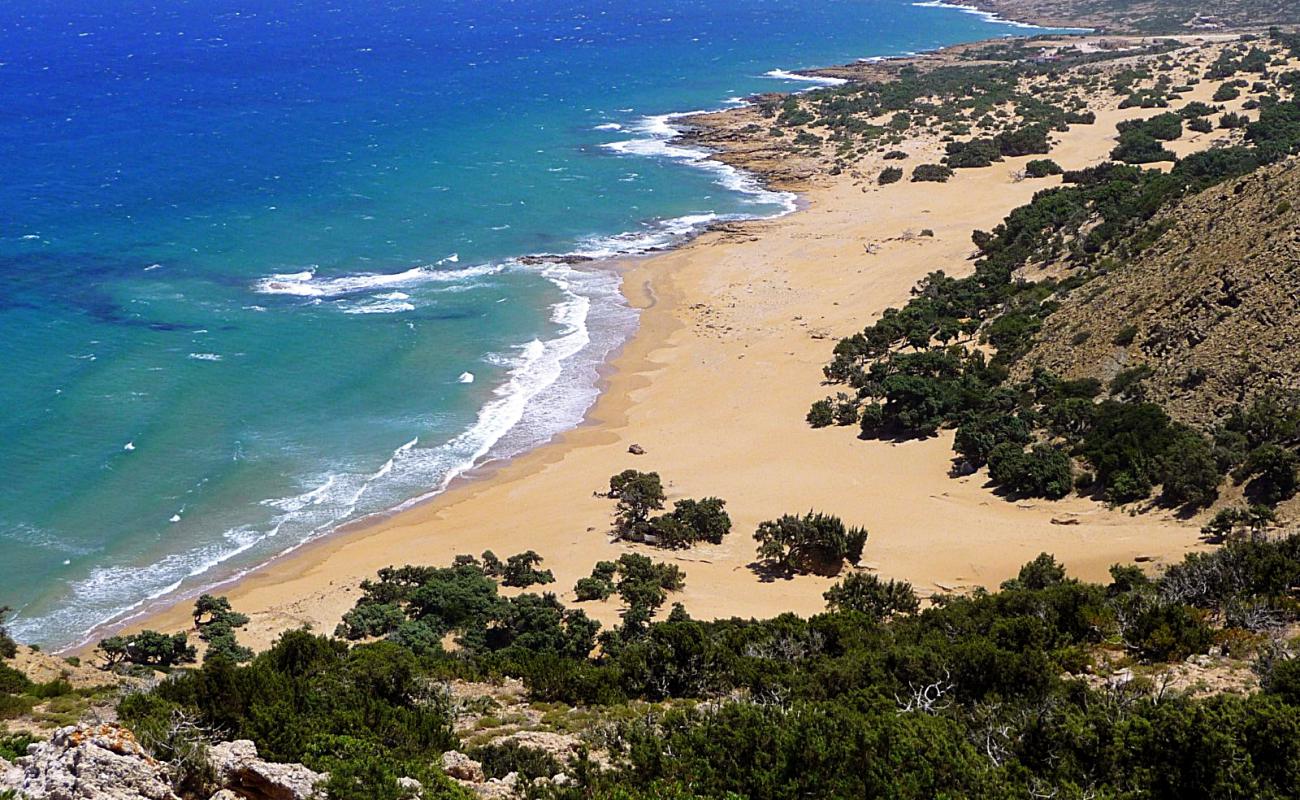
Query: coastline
[[734, 327]]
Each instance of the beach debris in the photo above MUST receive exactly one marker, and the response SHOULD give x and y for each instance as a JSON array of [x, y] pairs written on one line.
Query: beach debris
[[636, 450]]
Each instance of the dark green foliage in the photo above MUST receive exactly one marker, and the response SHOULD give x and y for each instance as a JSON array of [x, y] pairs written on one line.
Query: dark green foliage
[[1024, 141], [638, 495], [13, 746], [705, 520], [365, 715], [937, 173], [822, 414], [975, 153], [1042, 167], [499, 760], [592, 589], [1195, 109], [8, 648], [689, 522], [1043, 572], [972, 697], [1226, 92], [1271, 472], [147, 649], [417, 606], [868, 594], [1139, 147], [1200, 125], [889, 175], [521, 571], [814, 542], [1043, 471], [217, 622]]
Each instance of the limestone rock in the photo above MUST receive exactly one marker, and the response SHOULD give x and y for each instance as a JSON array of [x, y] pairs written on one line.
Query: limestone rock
[[225, 794], [636, 450], [238, 768], [410, 787], [461, 767], [560, 746], [88, 762]]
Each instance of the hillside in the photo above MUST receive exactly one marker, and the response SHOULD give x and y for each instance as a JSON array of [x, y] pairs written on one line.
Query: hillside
[[1149, 16], [1211, 307]]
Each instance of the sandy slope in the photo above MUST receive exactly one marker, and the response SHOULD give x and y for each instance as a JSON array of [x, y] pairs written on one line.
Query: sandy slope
[[715, 386]]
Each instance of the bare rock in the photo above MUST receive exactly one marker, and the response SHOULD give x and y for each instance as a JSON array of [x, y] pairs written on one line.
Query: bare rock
[[1065, 520], [461, 767], [225, 794], [239, 769], [88, 762], [636, 450], [410, 787]]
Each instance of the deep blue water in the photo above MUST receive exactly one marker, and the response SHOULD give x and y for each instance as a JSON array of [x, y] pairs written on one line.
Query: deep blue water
[[252, 252]]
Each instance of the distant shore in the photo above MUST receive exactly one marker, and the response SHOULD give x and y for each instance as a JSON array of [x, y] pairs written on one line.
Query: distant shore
[[734, 329]]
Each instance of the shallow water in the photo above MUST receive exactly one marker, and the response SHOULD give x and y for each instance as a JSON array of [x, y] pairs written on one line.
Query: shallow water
[[255, 273]]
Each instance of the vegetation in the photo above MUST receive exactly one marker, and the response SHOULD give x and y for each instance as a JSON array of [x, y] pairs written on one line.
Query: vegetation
[[937, 173], [639, 494], [913, 372], [814, 542], [989, 695]]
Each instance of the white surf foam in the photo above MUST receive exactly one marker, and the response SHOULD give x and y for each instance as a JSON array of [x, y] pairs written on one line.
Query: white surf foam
[[987, 16], [307, 284], [819, 80]]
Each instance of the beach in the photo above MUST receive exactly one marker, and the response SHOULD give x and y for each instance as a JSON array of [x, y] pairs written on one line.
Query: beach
[[734, 329]]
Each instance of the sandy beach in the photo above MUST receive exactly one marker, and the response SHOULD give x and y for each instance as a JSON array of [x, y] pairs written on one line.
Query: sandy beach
[[734, 330]]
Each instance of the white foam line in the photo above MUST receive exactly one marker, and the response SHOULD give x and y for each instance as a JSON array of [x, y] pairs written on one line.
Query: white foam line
[[819, 80], [990, 16]]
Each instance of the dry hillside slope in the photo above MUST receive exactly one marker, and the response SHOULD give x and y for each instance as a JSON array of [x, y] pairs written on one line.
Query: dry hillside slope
[[1213, 307]]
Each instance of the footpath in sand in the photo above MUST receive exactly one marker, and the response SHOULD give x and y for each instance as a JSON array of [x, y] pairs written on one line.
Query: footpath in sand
[[714, 386]]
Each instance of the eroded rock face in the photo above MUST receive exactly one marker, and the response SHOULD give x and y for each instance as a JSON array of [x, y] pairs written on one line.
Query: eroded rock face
[[461, 767], [88, 762], [240, 770]]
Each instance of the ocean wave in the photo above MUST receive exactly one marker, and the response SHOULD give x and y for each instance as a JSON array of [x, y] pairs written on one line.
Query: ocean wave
[[987, 16], [657, 139], [819, 80], [307, 284]]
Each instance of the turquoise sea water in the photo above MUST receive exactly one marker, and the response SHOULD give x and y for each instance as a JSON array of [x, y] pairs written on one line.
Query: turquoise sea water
[[256, 271]]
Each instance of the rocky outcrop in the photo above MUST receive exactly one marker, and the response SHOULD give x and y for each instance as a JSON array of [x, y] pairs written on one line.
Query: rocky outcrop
[[461, 767], [105, 762], [239, 769], [89, 762]]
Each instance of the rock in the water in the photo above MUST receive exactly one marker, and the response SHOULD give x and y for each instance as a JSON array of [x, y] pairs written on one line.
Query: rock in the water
[[88, 762], [238, 768], [461, 767]]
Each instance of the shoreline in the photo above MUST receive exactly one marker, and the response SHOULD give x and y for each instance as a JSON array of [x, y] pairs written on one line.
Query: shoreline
[[644, 391]]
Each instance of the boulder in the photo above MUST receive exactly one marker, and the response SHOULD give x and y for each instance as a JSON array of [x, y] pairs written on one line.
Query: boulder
[[239, 769], [88, 762], [461, 767], [225, 794], [636, 450]]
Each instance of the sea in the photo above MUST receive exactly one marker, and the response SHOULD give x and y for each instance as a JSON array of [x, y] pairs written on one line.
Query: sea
[[260, 259]]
